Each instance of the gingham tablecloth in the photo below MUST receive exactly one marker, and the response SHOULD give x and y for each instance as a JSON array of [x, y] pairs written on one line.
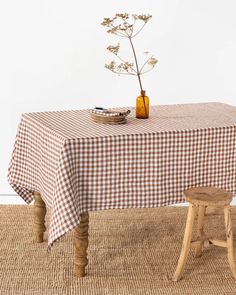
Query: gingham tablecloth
[[78, 165]]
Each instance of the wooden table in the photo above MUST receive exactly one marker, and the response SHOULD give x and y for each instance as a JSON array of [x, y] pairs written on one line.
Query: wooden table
[[73, 165]]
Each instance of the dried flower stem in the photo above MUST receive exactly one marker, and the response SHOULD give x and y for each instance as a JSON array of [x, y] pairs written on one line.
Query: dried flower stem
[[138, 74], [139, 30], [136, 63]]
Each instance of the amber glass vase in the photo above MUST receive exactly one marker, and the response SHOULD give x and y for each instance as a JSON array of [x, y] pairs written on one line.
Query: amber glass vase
[[142, 106]]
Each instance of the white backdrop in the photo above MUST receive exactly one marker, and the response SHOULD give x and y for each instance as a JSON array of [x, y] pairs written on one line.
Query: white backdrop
[[52, 56]]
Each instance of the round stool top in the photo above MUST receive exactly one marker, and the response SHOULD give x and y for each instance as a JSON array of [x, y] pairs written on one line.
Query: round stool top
[[208, 196]]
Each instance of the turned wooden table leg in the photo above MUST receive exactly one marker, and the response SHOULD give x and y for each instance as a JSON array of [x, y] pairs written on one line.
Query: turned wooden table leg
[[39, 217], [81, 245]]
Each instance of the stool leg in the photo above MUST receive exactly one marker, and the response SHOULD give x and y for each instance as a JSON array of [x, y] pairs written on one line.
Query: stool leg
[[81, 245], [186, 243], [229, 235], [201, 215], [39, 217]]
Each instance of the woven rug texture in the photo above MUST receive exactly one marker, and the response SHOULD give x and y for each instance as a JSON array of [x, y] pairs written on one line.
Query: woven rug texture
[[130, 252]]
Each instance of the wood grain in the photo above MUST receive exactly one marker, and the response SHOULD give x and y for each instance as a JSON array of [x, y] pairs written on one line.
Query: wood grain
[[186, 243], [81, 245], [201, 234], [229, 236], [39, 217]]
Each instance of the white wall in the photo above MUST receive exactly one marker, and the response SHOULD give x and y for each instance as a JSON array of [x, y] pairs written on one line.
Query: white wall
[[52, 56]]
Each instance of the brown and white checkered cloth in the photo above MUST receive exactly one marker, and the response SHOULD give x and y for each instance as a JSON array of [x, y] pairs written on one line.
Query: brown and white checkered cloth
[[78, 165]]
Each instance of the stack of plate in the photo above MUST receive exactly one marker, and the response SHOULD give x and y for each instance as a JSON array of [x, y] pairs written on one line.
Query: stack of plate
[[109, 116]]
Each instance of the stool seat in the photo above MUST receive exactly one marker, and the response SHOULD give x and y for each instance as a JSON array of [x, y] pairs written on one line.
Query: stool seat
[[208, 196]]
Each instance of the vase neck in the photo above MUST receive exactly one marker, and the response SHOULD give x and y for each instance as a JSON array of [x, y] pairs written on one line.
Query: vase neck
[[143, 93]]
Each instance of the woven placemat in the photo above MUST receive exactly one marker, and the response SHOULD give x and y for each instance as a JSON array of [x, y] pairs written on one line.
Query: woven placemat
[[131, 252]]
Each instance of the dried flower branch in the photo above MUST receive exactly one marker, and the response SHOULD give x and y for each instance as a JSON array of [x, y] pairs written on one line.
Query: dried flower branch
[[122, 15], [111, 66], [152, 61], [107, 22], [123, 25], [142, 17], [127, 67], [122, 68], [114, 49]]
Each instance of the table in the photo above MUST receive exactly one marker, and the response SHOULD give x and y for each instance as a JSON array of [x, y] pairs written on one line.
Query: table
[[73, 165]]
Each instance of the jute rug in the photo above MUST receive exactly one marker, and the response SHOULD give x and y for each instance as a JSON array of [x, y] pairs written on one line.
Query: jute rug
[[130, 252]]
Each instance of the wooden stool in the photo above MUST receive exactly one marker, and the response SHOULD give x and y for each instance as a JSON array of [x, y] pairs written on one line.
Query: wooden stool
[[200, 198]]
